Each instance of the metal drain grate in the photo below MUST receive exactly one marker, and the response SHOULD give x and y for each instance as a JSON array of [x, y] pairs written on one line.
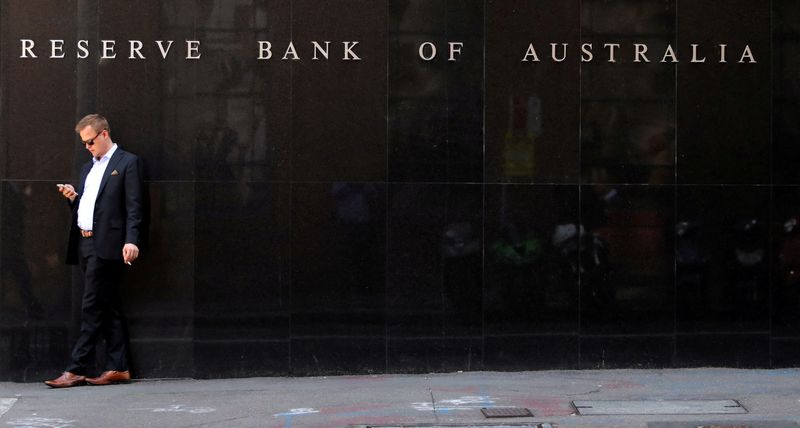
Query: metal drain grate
[[506, 412]]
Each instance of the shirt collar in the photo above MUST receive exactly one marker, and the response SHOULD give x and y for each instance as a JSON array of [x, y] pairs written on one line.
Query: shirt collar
[[107, 155]]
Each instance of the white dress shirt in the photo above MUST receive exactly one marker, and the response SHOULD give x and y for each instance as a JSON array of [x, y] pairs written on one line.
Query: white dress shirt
[[90, 189]]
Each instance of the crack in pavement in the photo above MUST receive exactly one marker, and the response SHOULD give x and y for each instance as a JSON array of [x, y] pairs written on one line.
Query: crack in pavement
[[433, 403], [594, 391]]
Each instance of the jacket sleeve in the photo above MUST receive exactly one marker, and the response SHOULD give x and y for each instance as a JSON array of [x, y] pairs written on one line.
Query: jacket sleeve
[[133, 200], [73, 205]]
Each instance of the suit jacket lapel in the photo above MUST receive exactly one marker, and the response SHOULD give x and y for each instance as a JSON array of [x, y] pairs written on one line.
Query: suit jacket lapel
[[112, 163]]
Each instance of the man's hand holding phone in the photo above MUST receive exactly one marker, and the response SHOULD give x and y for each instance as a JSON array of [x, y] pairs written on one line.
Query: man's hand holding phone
[[68, 191]]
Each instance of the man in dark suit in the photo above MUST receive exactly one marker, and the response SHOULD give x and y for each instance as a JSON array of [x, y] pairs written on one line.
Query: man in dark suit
[[106, 221]]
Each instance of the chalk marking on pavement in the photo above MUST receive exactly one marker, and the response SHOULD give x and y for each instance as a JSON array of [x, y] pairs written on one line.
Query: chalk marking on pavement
[[295, 412], [487, 402], [36, 422], [468, 402], [481, 401], [300, 411], [5, 405], [179, 408]]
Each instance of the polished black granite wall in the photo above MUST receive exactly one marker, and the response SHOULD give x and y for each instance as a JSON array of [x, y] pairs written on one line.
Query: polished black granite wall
[[396, 215]]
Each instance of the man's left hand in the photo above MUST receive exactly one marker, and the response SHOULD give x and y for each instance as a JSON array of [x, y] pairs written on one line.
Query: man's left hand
[[130, 252]]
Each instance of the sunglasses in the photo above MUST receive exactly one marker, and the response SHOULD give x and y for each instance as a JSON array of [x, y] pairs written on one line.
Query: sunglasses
[[91, 142]]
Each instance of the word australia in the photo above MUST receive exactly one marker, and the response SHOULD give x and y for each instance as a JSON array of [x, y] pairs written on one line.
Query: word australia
[[639, 52]]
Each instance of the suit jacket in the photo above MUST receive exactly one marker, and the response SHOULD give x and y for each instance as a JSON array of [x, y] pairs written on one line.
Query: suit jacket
[[117, 210]]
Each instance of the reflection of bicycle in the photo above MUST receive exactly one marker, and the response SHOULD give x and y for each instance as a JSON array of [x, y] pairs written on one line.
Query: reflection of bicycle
[[526, 252], [523, 268], [749, 277], [789, 253], [789, 265], [691, 258], [585, 255], [460, 239]]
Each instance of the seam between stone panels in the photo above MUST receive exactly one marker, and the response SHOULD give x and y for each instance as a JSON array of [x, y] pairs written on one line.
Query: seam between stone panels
[[387, 235]]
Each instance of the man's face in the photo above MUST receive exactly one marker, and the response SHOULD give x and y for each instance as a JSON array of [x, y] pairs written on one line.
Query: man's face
[[98, 144]]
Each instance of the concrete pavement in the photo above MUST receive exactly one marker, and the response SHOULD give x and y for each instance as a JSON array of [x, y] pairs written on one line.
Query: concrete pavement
[[769, 398]]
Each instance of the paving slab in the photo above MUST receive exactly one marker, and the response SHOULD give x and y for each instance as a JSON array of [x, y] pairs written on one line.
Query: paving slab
[[402, 400], [5, 405], [658, 407], [724, 424]]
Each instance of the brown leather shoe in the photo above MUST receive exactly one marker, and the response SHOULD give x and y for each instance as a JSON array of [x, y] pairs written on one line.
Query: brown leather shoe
[[109, 377], [66, 380]]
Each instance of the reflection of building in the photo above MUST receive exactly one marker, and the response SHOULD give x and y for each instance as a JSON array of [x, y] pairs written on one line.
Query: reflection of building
[[628, 109], [524, 125], [399, 215]]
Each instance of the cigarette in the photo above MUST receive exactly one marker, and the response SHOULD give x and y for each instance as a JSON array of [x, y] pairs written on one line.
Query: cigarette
[[128, 263]]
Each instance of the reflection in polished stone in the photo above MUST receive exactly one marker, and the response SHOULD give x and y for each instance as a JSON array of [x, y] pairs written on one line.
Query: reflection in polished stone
[[632, 351], [324, 356], [531, 259], [160, 313], [35, 290], [38, 96], [532, 110], [434, 277], [722, 350], [785, 230], [786, 92], [723, 112], [518, 352], [312, 217], [241, 294], [338, 259], [435, 107], [628, 110], [627, 268], [339, 108], [722, 266]]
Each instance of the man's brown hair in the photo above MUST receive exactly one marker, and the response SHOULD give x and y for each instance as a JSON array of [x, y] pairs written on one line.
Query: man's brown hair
[[96, 121]]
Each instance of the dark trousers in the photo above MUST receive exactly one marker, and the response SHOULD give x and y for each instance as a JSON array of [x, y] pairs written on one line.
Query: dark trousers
[[101, 312]]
